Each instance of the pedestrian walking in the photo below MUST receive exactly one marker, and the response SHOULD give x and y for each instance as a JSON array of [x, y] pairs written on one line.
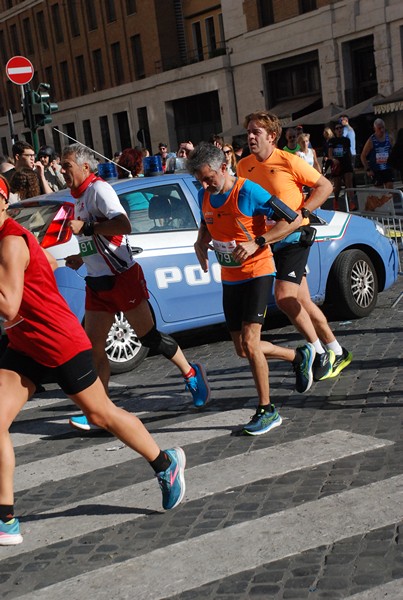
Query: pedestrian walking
[[45, 338]]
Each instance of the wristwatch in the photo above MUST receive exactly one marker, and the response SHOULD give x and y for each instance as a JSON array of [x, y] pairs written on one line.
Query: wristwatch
[[260, 241], [305, 212]]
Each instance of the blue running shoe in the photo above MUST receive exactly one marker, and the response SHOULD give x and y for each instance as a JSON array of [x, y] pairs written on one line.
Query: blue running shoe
[[303, 370], [262, 421], [198, 386], [10, 533], [81, 422], [172, 481]]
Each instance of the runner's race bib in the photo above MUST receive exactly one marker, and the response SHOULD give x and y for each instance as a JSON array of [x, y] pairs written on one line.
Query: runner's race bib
[[223, 252], [87, 248], [382, 159]]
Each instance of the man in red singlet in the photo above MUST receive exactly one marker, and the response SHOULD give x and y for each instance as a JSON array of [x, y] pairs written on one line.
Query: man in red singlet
[[45, 337], [233, 224]]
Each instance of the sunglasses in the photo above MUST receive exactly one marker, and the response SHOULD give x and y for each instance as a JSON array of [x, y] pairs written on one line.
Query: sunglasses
[[227, 151]]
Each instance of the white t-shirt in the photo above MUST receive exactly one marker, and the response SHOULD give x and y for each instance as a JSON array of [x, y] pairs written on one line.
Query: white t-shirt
[[308, 156], [103, 255]]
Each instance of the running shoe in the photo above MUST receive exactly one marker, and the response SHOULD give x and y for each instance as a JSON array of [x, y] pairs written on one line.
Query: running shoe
[[81, 422], [172, 481], [262, 421], [198, 386], [323, 364], [303, 370], [341, 362], [10, 533]]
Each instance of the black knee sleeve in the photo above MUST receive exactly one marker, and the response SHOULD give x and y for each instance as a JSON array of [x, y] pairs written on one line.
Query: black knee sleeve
[[160, 343]]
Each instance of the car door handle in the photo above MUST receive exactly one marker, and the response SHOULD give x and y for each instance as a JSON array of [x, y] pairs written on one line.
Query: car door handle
[[136, 249]]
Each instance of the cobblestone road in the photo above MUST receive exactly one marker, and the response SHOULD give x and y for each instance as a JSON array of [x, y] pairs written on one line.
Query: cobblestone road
[[312, 510]]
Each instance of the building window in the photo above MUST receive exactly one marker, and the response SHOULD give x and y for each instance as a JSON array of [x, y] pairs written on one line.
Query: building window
[[91, 15], [57, 24], [306, 6], [10, 90], [70, 129], [121, 122], [56, 141], [293, 77], [221, 28], [210, 36], [88, 133], [266, 13], [99, 69], [43, 35], [3, 49], [117, 63], [28, 36], [138, 57], [14, 39], [105, 135], [66, 86], [197, 41], [361, 79], [73, 18], [82, 76], [131, 7], [110, 10], [49, 79]]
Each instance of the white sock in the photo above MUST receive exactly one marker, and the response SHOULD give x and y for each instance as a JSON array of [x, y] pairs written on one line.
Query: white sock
[[335, 346], [318, 347]]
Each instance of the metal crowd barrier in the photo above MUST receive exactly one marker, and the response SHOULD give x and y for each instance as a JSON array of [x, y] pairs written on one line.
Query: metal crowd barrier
[[382, 205]]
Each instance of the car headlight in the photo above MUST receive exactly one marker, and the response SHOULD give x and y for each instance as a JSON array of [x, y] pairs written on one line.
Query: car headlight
[[380, 228]]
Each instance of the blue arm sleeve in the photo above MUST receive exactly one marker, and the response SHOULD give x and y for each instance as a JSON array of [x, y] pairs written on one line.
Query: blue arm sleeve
[[254, 200]]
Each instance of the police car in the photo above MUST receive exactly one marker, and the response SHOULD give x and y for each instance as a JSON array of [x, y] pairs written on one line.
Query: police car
[[350, 262]]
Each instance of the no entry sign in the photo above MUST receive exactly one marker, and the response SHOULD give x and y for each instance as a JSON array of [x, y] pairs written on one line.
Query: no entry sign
[[19, 70]]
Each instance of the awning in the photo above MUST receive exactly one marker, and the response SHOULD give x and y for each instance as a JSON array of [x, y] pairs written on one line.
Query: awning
[[319, 117], [363, 108], [391, 103], [285, 111], [235, 131]]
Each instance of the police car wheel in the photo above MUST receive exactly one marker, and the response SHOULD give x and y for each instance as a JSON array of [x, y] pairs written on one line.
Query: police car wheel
[[353, 284], [124, 349]]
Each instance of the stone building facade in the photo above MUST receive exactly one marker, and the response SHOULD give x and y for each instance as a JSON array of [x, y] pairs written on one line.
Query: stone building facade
[[128, 72]]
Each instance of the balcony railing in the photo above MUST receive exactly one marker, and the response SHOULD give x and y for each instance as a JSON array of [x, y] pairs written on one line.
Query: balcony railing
[[192, 56]]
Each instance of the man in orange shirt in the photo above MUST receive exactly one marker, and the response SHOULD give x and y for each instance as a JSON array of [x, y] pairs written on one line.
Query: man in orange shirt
[[233, 223], [284, 175]]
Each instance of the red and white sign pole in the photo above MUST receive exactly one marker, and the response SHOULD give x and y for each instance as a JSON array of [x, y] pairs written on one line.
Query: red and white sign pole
[[19, 70]]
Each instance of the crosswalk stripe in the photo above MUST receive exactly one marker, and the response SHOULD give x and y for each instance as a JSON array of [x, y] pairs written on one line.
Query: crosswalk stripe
[[201, 481], [46, 425], [41, 400], [198, 561], [86, 460], [393, 590]]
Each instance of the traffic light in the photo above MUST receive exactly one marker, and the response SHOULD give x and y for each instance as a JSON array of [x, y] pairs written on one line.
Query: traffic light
[[41, 107]]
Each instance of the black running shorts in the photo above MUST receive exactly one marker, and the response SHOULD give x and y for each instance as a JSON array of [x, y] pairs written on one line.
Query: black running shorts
[[74, 376], [246, 302], [291, 262]]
